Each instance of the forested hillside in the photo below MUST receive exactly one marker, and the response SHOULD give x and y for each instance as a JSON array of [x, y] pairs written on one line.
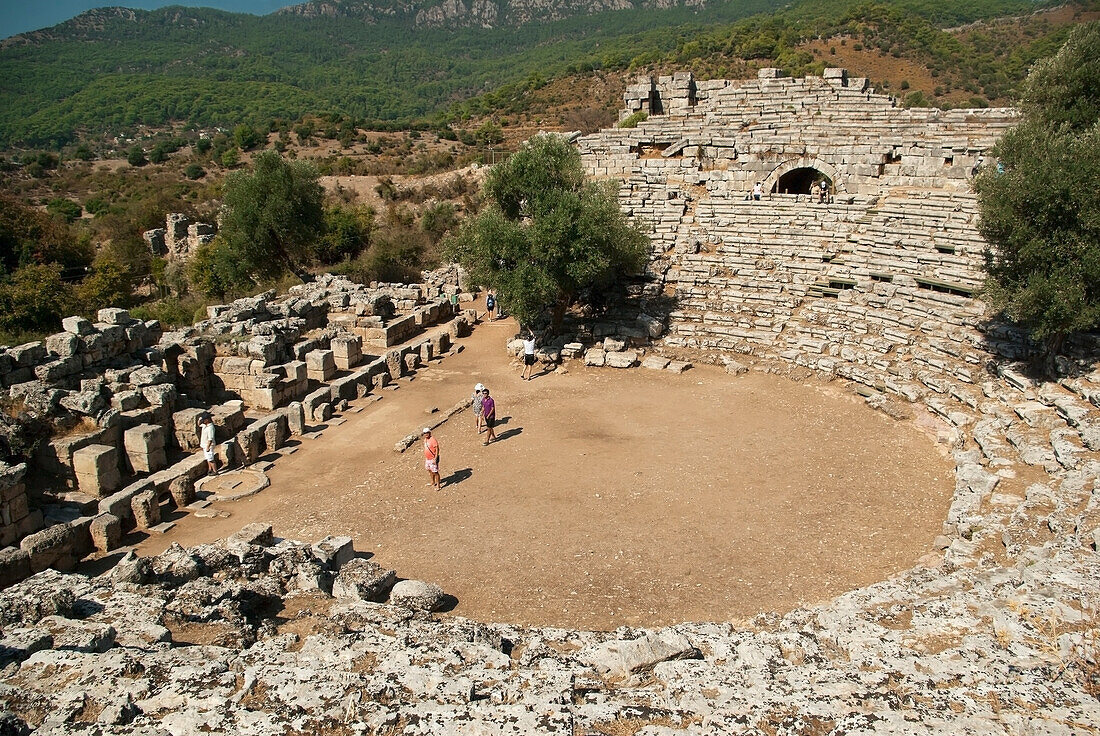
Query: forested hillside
[[111, 70]]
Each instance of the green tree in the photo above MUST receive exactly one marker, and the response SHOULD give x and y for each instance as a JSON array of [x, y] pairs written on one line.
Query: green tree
[[273, 216], [246, 137], [547, 235], [34, 300], [135, 156], [347, 233], [110, 284], [66, 209], [489, 133], [1040, 206], [230, 158], [213, 270], [29, 236]]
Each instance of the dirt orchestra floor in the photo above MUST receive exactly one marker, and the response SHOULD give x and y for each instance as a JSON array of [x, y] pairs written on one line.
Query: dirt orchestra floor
[[614, 497]]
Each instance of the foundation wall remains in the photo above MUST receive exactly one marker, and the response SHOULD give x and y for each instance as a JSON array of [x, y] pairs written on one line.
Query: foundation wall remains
[[124, 399]]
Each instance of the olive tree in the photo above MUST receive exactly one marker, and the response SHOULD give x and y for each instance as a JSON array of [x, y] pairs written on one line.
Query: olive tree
[[273, 215], [1040, 206], [547, 235]]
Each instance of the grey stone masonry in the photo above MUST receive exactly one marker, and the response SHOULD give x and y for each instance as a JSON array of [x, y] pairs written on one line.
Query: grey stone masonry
[[127, 398], [145, 447], [97, 470], [727, 135], [16, 518], [320, 365]]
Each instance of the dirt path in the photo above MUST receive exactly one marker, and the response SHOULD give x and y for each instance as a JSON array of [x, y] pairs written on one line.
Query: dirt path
[[614, 497]]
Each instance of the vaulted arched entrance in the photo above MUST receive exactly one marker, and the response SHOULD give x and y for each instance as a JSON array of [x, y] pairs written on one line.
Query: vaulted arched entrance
[[798, 181], [800, 175]]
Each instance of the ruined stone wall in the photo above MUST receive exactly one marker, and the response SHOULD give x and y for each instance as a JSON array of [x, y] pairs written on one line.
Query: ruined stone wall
[[129, 398], [179, 238], [875, 285], [727, 135]]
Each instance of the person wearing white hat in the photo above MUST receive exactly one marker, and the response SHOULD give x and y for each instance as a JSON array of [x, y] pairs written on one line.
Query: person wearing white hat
[[431, 458], [206, 441], [475, 404]]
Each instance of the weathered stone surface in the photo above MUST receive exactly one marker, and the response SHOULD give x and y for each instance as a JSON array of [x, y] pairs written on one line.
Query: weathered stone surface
[[258, 534], [417, 595], [736, 368], [334, 552], [595, 357], [37, 597], [363, 580], [106, 531], [625, 359], [113, 316], [146, 509], [77, 325], [620, 658]]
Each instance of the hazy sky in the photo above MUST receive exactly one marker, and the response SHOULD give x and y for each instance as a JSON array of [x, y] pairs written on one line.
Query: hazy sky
[[17, 16]]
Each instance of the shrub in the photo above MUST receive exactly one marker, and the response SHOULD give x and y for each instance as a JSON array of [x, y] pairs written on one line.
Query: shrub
[[631, 121], [135, 156]]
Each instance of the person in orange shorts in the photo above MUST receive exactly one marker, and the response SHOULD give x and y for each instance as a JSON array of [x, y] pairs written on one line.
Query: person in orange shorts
[[431, 458]]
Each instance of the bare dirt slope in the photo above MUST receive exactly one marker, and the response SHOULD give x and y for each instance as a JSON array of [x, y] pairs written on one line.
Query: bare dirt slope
[[615, 497]]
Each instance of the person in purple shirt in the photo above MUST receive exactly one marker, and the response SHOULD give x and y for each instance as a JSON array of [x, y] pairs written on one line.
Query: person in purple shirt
[[489, 415]]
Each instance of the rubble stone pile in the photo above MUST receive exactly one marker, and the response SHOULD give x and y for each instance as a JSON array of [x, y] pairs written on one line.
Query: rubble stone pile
[[125, 399]]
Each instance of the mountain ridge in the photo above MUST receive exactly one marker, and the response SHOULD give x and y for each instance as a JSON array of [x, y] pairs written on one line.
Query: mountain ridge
[[115, 69]]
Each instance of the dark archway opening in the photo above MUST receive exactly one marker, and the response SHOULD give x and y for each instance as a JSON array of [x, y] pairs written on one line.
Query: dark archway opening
[[799, 181]]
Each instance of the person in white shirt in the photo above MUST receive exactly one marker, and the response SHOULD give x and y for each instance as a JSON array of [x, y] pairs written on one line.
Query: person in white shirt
[[206, 441], [757, 190], [528, 356]]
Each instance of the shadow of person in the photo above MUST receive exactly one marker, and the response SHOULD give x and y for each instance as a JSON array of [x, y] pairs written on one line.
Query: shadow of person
[[509, 434], [503, 420], [458, 476]]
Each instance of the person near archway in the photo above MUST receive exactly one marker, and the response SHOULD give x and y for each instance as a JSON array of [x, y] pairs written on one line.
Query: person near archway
[[823, 191], [757, 190]]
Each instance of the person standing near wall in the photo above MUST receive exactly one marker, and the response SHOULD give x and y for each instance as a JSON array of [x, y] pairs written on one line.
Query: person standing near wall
[[528, 356], [757, 191], [206, 442]]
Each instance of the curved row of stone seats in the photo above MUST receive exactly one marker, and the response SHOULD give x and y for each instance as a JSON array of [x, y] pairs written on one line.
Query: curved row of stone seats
[[1008, 608], [735, 133]]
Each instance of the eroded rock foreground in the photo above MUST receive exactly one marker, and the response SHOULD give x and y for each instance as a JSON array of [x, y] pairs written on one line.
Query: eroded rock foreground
[[243, 637]]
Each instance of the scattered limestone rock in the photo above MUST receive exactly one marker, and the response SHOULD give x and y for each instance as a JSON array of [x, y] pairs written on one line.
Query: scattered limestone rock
[[417, 595], [363, 580]]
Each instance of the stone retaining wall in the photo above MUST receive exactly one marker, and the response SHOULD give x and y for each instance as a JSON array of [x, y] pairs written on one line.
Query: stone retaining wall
[[263, 367]]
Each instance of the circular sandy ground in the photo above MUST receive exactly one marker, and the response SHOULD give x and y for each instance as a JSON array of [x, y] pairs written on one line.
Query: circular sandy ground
[[614, 497]]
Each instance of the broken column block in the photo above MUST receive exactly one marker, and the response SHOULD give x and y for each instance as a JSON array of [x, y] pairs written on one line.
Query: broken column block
[[146, 508], [106, 531], [145, 445], [97, 471], [347, 351], [320, 365]]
